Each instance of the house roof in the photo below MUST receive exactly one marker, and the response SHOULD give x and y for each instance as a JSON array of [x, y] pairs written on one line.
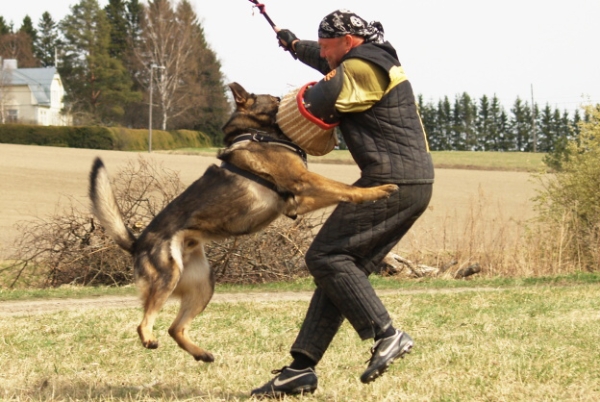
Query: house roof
[[39, 81]]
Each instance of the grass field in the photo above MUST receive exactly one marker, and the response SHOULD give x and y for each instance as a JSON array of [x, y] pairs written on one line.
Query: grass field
[[502, 161], [38, 182], [510, 334], [527, 341]]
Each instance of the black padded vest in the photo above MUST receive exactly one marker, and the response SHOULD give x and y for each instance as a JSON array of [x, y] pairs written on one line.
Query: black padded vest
[[387, 141]]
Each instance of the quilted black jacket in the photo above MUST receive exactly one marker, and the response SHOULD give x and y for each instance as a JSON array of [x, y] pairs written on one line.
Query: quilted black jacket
[[387, 141]]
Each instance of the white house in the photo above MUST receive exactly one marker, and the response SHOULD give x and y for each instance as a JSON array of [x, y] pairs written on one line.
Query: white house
[[31, 95]]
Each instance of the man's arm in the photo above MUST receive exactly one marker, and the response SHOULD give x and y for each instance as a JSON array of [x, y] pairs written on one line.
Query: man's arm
[[306, 51]]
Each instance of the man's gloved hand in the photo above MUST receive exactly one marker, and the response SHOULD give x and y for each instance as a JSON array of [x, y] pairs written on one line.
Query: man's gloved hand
[[286, 39]]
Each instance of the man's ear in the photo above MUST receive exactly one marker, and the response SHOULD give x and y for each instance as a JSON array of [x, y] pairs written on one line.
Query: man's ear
[[352, 41], [348, 39]]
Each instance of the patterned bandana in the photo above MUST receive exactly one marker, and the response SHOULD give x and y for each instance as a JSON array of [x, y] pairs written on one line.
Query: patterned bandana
[[344, 22]]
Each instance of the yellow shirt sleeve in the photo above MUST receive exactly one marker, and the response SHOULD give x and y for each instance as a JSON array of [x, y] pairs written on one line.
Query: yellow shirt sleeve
[[365, 84]]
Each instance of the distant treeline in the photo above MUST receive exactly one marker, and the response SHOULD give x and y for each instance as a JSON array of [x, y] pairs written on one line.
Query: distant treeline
[[466, 124], [110, 57]]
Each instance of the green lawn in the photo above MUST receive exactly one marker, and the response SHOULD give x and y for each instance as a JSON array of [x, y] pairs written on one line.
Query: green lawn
[[492, 339], [534, 340]]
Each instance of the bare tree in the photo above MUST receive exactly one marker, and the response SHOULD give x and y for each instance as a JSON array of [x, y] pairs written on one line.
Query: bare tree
[[170, 38], [5, 81], [18, 46]]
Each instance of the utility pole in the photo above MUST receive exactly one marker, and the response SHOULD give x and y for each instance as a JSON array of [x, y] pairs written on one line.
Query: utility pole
[[533, 130]]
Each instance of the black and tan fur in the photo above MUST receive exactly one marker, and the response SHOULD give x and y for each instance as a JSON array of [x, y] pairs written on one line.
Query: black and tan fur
[[169, 257]]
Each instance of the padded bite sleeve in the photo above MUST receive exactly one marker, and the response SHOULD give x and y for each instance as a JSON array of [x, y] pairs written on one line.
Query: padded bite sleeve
[[320, 98]]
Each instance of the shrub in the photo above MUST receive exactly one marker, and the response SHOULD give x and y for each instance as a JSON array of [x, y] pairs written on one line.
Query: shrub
[[95, 137], [569, 202], [71, 248], [74, 137]]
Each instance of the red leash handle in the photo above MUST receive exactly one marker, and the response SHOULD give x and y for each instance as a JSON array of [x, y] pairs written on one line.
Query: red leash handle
[[261, 8]]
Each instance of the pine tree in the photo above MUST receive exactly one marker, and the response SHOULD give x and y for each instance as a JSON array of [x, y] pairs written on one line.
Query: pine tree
[[561, 129], [497, 126], [444, 120], [5, 28], [574, 126], [546, 131], [507, 140], [134, 15], [98, 87], [116, 11], [463, 123], [48, 42], [483, 125], [520, 127], [27, 27], [211, 112], [32, 35], [210, 107], [428, 115], [469, 109]]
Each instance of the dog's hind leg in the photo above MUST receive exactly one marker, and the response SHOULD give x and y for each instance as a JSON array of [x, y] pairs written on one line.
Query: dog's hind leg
[[156, 289], [195, 290]]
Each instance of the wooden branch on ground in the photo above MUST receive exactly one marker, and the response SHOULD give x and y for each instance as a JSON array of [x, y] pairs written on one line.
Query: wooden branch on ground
[[393, 264], [468, 271]]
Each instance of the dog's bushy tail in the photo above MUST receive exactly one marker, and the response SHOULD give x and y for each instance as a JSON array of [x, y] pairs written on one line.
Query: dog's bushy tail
[[105, 208]]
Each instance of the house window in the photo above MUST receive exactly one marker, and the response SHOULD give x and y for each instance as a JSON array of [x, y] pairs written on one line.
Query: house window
[[13, 115]]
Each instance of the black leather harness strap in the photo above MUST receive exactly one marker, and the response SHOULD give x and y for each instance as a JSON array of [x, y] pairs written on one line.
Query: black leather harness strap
[[249, 175], [255, 178], [258, 137]]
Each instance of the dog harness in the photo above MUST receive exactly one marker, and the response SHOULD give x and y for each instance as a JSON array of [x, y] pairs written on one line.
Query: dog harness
[[257, 137]]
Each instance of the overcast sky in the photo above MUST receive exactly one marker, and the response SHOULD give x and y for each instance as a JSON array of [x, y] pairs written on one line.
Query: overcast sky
[[502, 48]]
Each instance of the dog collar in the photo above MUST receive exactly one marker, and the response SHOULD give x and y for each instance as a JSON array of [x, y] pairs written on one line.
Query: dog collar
[[256, 136]]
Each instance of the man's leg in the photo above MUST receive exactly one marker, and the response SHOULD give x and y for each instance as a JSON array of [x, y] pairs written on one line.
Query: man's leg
[[350, 244], [348, 247]]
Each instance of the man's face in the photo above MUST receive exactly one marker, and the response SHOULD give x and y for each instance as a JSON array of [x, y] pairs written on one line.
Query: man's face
[[333, 49]]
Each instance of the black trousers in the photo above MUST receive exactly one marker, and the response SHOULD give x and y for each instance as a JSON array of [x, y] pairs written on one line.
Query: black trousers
[[351, 243]]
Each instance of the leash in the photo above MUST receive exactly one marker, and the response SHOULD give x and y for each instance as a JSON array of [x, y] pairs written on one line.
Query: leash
[[261, 7]]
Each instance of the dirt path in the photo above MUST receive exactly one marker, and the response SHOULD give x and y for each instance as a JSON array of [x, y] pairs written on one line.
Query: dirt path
[[48, 306]]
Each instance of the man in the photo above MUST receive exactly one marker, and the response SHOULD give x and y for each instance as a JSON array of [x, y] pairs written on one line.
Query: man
[[366, 91]]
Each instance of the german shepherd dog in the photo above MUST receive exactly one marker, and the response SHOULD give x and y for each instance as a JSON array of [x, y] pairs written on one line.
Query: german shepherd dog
[[261, 177]]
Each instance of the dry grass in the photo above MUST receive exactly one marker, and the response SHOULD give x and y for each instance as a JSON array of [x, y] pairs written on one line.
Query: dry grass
[[491, 227], [513, 344], [501, 240], [504, 161]]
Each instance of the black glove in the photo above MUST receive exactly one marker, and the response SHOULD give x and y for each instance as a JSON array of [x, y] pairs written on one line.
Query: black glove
[[286, 38]]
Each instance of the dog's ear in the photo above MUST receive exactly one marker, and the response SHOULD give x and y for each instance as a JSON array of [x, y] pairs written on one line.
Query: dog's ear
[[239, 93]]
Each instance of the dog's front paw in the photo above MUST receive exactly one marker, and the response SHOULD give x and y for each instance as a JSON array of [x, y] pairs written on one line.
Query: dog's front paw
[[389, 188]]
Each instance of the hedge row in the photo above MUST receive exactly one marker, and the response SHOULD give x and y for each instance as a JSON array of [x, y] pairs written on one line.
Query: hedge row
[[111, 138]]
